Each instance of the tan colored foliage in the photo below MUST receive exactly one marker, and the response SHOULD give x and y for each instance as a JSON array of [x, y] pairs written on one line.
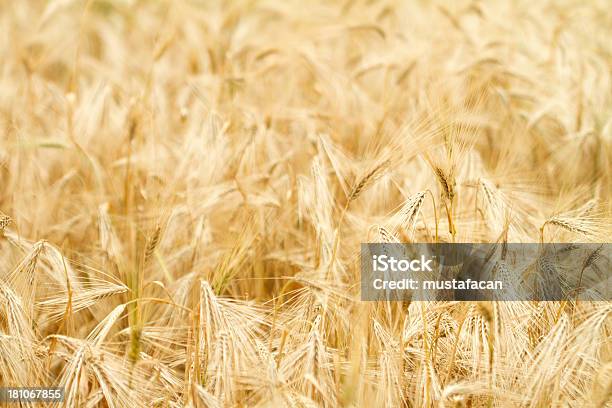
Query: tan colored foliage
[[184, 186]]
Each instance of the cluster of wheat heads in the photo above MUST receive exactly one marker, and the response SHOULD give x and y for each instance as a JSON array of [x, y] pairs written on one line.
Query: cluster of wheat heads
[[184, 186]]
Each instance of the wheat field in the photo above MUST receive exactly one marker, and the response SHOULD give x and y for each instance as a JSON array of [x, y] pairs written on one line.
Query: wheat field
[[185, 186]]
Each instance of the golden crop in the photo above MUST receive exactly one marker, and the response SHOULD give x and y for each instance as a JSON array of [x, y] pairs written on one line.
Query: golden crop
[[184, 186]]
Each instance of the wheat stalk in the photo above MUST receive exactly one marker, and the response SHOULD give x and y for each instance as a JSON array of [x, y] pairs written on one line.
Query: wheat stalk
[[5, 221], [368, 179]]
